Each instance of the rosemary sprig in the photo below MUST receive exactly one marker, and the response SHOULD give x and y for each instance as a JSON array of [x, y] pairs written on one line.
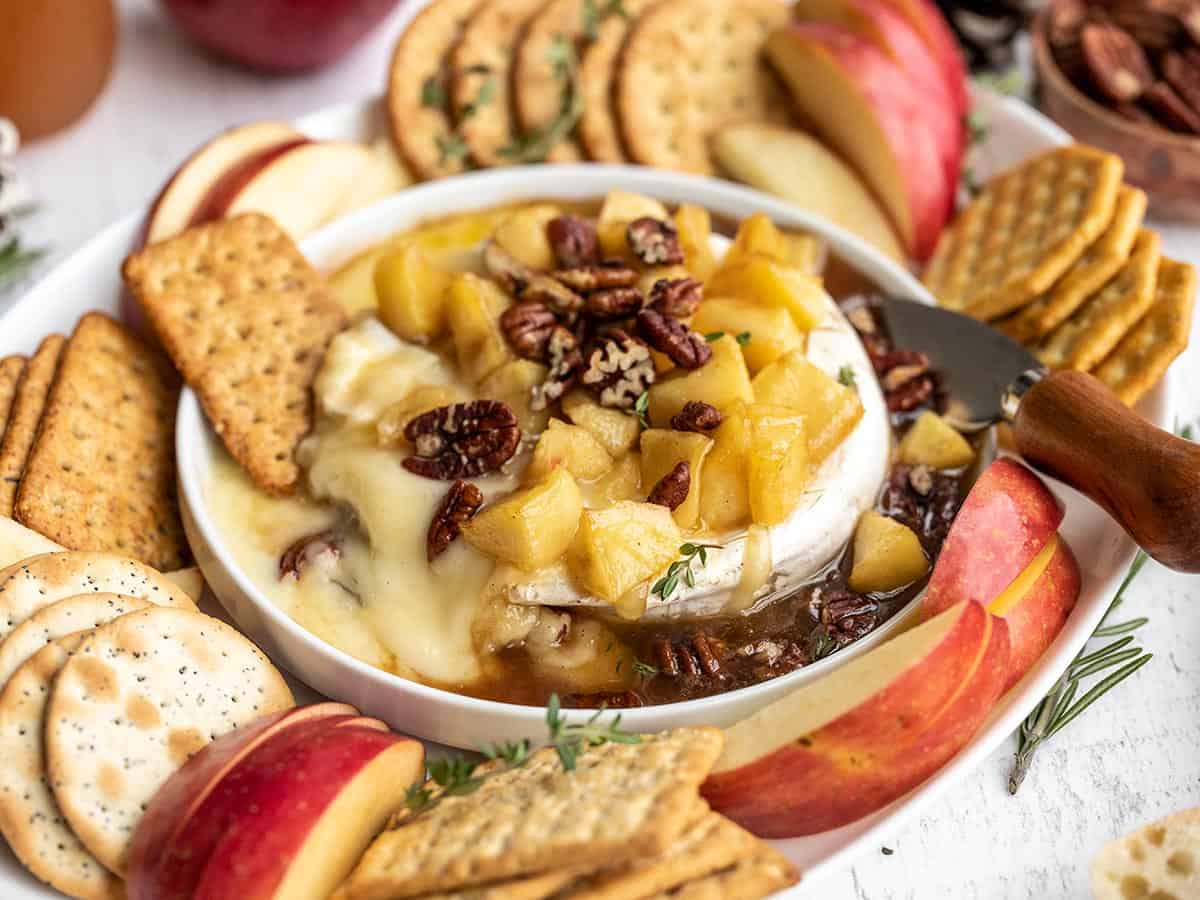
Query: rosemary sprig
[[569, 740], [682, 568], [846, 376]]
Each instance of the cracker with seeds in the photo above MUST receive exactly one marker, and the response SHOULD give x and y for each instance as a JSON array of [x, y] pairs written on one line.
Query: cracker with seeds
[[139, 697], [247, 320], [690, 67], [539, 84], [25, 415], [418, 90], [1098, 264], [622, 802], [48, 848], [101, 474], [1026, 228], [599, 129], [760, 875], [79, 613], [1142, 357], [481, 66], [1086, 338], [11, 368]]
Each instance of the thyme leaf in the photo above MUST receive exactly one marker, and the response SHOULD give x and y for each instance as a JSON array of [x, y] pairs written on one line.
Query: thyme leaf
[[743, 339], [641, 409], [569, 740], [666, 586], [536, 144], [846, 376]]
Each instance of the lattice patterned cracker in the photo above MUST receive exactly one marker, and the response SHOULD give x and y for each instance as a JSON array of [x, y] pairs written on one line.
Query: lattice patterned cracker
[[1086, 338], [691, 66], [247, 320], [622, 802], [538, 84], [28, 404], [599, 129], [1099, 263], [1027, 227], [1143, 356]]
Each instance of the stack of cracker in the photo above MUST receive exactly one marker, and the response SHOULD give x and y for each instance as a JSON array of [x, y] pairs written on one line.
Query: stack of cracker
[[87, 456], [1053, 252], [627, 823]]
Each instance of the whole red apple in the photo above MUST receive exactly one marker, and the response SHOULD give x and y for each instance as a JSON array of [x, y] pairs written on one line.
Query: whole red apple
[[279, 35]]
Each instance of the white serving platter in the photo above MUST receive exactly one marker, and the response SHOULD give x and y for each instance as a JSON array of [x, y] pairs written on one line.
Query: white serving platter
[[90, 280]]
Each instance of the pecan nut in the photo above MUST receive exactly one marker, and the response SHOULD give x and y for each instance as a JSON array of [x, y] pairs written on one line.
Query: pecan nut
[[573, 240], [613, 273], [1171, 110], [308, 549], [457, 508], [847, 616], [678, 297], [1155, 24], [672, 489], [565, 361], [525, 283], [618, 369], [462, 440], [701, 655], [668, 335], [912, 394], [1181, 69], [615, 303], [527, 326], [1118, 65], [654, 242], [696, 416]]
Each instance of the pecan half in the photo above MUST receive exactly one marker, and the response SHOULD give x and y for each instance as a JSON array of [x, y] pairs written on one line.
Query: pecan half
[[1155, 24], [618, 369], [672, 489], [848, 616], [1118, 66], [1171, 110], [668, 335], [612, 273], [573, 240], [527, 326], [1181, 69], [462, 440], [565, 361], [701, 655], [615, 303], [654, 242], [678, 297], [525, 283], [696, 416], [461, 502], [307, 549], [912, 394]]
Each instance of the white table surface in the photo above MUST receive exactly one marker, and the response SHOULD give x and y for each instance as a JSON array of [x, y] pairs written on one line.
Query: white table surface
[[1133, 757]]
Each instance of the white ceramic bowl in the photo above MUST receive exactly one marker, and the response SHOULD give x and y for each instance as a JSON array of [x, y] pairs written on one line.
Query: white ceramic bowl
[[432, 713]]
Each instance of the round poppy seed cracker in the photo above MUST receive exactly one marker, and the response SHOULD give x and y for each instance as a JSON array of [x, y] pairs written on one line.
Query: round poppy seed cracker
[[481, 64], [418, 93], [690, 67], [538, 84], [80, 613], [130, 707], [599, 130], [36, 582], [30, 818]]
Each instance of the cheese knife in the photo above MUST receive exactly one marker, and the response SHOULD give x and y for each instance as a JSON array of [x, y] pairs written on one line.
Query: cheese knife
[[1065, 424]]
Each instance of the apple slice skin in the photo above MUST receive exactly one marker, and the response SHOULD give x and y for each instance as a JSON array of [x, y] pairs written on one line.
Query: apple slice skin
[[928, 21], [283, 806], [878, 750], [1006, 520], [230, 184]]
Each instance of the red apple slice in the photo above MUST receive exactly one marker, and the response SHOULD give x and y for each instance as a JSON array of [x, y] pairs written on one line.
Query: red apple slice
[[927, 20], [863, 105], [305, 820], [1007, 519], [175, 207], [839, 748]]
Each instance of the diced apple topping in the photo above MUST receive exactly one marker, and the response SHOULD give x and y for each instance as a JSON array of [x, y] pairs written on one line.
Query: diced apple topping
[[531, 528], [767, 332], [623, 482], [756, 236], [763, 280], [616, 431], [830, 408], [694, 225], [887, 555], [662, 450], [523, 234], [618, 548], [513, 383], [721, 382], [778, 467], [619, 209], [569, 447], [411, 294], [473, 308], [725, 481], [932, 442]]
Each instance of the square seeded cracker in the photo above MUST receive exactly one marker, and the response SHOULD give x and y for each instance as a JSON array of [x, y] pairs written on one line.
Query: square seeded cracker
[[622, 802], [101, 474], [247, 320], [25, 415]]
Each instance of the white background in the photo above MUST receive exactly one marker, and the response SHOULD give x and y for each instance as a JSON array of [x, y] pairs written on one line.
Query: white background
[[1133, 757]]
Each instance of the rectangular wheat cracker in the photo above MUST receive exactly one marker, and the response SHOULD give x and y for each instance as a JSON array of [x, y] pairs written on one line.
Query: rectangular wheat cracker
[[532, 887], [1143, 356], [247, 320], [11, 368], [101, 474], [25, 416], [621, 802], [760, 875]]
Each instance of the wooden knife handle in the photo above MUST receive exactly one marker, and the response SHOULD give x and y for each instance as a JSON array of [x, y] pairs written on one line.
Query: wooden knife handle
[[1072, 427]]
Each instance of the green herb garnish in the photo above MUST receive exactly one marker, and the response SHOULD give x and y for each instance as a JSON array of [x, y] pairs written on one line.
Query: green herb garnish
[[515, 753], [977, 126], [593, 15], [643, 668], [536, 144], [714, 336], [484, 96], [743, 339], [682, 569], [16, 261], [820, 643], [641, 409], [846, 376], [570, 740], [433, 92], [452, 148]]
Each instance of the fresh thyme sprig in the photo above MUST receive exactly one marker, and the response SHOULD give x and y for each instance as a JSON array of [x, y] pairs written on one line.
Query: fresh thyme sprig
[[594, 15], [641, 409], [743, 339], [536, 144], [682, 568], [846, 376], [644, 668], [571, 739]]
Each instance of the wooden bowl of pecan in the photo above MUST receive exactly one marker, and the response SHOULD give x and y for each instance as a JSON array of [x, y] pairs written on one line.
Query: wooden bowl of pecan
[[1124, 75]]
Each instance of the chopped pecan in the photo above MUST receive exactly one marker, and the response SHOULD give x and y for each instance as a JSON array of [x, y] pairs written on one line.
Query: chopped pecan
[[525, 283], [1170, 109], [912, 394], [894, 359], [565, 361], [696, 416], [654, 242], [527, 326], [848, 616], [618, 369], [461, 502], [573, 240], [1181, 69], [615, 303], [920, 479], [607, 699], [678, 297], [612, 273], [462, 440], [929, 514], [1118, 66], [668, 335], [307, 549], [701, 655], [672, 489]]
